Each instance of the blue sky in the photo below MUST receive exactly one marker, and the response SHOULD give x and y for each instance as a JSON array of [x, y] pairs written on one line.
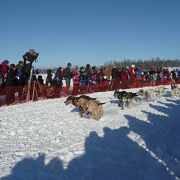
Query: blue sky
[[89, 31]]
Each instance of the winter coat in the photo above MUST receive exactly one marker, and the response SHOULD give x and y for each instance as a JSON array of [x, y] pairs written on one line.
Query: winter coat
[[76, 78], [138, 74], [107, 72], [1, 80], [83, 76], [124, 75], [4, 69], [58, 75], [57, 81], [88, 73], [67, 73], [132, 73], [28, 61], [115, 73], [49, 80], [11, 78]]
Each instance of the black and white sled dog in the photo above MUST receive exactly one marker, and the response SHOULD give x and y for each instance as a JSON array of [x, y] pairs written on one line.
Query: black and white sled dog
[[125, 98]]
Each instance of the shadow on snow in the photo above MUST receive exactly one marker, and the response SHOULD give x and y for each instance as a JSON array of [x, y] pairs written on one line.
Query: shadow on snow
[[115, 156]]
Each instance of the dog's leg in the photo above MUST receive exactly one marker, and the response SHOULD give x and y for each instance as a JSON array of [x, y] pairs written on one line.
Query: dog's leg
[[122, 104], [81, 111], [96, 114], [119, 103], [86, 114], [85, 111], [129, 103]]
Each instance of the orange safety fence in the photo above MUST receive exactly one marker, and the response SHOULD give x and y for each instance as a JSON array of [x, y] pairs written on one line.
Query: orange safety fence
[[20, 94]]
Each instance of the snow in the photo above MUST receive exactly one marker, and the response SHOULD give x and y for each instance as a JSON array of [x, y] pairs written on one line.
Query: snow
[[48, 140]]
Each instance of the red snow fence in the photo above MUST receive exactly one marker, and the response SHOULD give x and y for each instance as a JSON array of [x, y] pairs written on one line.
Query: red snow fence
[[21, 94]]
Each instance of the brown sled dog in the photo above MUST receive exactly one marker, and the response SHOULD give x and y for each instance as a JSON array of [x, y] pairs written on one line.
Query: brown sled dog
[[74, 99], [91, 106]]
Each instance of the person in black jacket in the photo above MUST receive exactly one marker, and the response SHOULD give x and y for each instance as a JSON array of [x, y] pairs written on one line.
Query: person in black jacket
[[29, 58], [11, 76], [49, 79], [68, 74], [58, 77], [115, 73]]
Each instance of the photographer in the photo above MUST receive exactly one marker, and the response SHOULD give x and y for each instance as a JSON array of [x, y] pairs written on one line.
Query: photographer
[[29, 58]]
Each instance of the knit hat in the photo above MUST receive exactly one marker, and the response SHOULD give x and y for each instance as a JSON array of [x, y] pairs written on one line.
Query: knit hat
[[6, 62], [69, 64], [12, 65]]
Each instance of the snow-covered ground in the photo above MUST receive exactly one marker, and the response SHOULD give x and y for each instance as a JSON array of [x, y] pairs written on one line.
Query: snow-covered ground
[[47, 140]]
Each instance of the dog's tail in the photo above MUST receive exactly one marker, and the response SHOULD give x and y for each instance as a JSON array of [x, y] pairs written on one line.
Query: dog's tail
[[93, 98], [101, 104]]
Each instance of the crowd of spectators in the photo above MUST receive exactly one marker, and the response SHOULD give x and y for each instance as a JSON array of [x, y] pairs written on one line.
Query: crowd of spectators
[[14, 75], [87, 75], [17, 74]]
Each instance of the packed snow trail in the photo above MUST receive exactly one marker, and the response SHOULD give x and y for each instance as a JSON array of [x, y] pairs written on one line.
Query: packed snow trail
[[48, 140]]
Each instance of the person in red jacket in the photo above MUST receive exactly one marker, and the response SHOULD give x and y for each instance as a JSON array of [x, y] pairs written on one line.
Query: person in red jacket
[[75, 76], [132, 76], [132, 72], [124, 75], [4, 69], [104, 83]]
